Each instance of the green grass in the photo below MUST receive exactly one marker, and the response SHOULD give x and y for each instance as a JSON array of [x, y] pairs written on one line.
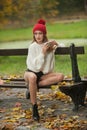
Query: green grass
[[12, 65], [55, 30], [16, 65], [68, 30], [15, 34]]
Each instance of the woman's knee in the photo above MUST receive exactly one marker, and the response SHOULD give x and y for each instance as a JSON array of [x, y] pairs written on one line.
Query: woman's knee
[[33, 78]]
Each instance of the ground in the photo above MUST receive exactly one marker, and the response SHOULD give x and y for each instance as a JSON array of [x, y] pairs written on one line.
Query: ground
[[55, 111]]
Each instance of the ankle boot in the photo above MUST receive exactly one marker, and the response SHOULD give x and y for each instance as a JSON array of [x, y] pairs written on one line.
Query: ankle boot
[[35, 112]]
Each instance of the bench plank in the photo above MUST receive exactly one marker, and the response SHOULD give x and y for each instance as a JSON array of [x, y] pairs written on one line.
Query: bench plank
[[13, 52], [13, 85], [66, 50], [59, 50]]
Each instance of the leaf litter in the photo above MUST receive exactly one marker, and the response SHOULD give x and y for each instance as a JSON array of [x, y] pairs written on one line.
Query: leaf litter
[[18, 116]]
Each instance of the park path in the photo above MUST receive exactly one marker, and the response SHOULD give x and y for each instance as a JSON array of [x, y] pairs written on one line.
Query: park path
[[10, 97], [25, 44]]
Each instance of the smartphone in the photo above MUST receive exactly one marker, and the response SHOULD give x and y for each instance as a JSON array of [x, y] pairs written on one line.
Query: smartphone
[[48, 43]]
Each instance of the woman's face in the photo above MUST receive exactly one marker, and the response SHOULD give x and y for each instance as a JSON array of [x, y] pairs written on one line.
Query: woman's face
[[38, 36]]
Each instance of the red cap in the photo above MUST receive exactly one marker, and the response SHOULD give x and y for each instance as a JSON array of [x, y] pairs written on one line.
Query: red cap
[[40, 26]]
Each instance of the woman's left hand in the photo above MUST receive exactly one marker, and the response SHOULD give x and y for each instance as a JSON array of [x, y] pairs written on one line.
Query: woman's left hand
[[53, 44]]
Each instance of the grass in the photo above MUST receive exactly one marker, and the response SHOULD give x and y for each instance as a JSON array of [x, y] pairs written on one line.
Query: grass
[[16, 65], [55, 30], [15, 34], [12, 65], [68, 30]]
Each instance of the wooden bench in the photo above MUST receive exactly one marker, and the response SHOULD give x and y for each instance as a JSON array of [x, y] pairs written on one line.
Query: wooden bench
[[77, 91]]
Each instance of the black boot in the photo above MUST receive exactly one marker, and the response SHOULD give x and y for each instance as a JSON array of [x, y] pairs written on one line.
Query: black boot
[[35, 112]]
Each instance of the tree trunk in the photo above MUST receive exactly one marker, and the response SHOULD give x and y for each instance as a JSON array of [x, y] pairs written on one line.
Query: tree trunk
[[85, 5]]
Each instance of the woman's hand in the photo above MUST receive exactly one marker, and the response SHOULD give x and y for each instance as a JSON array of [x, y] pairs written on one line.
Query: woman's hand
[[53, 45], [49, 46], [45, 48]]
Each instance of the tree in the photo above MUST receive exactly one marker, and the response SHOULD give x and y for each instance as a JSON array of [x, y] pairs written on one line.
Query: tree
[[85, 5], [70, 6], [23, 10], [47, 8], [5, 9]]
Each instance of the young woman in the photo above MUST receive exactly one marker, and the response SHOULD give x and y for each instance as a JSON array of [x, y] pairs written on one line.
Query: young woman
[[40, 64]]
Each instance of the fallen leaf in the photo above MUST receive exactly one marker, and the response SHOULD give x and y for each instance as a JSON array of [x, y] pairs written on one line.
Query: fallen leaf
[[18, 104], [8, 127], [2, 110]]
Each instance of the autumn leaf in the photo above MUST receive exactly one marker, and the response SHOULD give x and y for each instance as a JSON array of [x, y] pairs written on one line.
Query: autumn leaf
[[16, 109], [54, 87], [18, 104], [50, 111], [7, 127], [2, 110], [68, 77], [28, 114]]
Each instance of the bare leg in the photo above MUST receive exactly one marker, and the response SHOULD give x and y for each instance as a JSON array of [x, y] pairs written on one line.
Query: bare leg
[[51, 78], [31, 78]]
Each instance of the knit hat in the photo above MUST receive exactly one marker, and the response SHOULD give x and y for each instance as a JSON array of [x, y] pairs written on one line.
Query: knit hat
[[40, 26]]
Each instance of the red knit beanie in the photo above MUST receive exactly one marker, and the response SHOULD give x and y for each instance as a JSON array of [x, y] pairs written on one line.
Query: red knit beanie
[[40, 26]]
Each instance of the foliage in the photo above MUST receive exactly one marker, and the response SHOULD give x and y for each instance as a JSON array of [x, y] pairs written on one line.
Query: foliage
[[5, 10], [49, 9], [70, 6], [25, 12]]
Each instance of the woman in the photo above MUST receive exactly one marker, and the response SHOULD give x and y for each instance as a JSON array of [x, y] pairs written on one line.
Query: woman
[[40, 64]]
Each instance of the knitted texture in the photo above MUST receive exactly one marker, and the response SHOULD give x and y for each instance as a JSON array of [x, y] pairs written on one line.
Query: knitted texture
[[40, 26]]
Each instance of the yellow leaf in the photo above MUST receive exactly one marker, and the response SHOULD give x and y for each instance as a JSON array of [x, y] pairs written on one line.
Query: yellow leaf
[[54, 87], [16, 109]]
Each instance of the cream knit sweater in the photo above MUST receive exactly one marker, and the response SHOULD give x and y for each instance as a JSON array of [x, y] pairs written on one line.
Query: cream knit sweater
[[36, 61]]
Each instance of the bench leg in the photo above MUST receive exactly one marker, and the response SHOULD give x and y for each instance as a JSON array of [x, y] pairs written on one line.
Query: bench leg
[[79, 98], [68, 91], [75, 102], [27, 94], [77, 93], [82, 95]]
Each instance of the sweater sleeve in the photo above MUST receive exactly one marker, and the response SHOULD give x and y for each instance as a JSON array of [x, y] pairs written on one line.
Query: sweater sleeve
[[34, 61]]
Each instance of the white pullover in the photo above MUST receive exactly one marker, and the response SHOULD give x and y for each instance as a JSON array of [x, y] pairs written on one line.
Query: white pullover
[[37, 61]]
